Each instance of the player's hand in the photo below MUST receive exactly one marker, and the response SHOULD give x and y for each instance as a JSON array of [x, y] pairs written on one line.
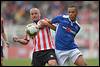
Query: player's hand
[[7, 44], [43, 22], [46, 19], [40, 24], [15, 38]]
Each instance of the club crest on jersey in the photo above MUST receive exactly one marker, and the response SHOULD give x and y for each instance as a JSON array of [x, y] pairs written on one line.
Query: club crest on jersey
[[68, 29]]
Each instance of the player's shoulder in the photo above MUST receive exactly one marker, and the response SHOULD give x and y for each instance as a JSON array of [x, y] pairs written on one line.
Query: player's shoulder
[[62, 16], [77, 23], [65, 16]]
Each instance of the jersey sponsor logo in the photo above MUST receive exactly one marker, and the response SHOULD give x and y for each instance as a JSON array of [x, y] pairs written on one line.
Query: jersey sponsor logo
[[68, 29]]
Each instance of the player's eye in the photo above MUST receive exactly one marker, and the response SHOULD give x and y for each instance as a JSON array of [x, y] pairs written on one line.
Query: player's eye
[[71, 11], [32, 14], [35, 13]]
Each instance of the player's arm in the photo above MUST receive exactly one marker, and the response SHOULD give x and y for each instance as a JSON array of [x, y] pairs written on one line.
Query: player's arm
[[3, 33], [21, 41], [47, 22]]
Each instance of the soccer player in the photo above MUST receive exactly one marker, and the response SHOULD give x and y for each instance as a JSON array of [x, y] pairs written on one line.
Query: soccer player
[[4, 42], [43, 50], [66, 48]]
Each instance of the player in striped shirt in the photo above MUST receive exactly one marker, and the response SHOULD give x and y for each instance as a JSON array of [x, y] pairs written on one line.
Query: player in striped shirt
[[4, 42], [66, 48], [43, 46]]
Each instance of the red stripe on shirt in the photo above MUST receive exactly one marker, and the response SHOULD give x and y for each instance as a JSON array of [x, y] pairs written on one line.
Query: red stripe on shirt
[[34, 44], [49, 41], [44, 40], [39, 45], [52, 41]]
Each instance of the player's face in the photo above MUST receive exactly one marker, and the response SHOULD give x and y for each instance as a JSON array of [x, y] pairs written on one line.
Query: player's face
[[35, 15], [72, 13]]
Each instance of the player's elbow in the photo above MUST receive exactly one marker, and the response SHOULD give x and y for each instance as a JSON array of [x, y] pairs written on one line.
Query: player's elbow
[[25, 42]]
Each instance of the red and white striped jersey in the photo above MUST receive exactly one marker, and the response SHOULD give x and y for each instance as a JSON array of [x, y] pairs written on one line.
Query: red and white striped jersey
[[43, 40]]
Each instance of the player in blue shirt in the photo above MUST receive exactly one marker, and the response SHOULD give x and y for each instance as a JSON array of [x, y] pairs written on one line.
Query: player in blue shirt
[[66, 30]]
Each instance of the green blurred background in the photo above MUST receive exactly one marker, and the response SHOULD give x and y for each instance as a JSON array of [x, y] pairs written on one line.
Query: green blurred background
[[27, 62]]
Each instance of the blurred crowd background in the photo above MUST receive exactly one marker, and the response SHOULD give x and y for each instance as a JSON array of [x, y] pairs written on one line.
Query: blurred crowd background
[[16, 15]]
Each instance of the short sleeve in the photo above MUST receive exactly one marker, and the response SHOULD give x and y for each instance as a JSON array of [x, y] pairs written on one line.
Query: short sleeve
[[55, 19]]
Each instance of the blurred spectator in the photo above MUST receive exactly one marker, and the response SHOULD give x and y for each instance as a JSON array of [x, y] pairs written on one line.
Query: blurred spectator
[[17, 11], [55, 8]]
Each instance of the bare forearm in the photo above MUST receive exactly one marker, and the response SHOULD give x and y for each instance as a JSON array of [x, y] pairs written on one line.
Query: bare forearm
[[46, 22], [22, 41], [51, 26], [3, 33], [4, 36]]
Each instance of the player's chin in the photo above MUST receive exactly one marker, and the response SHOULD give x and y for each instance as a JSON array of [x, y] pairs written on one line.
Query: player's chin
[[35, 19], [72, 18]]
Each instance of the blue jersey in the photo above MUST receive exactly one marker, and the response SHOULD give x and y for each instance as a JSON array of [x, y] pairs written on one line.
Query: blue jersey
[[65, 32]]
